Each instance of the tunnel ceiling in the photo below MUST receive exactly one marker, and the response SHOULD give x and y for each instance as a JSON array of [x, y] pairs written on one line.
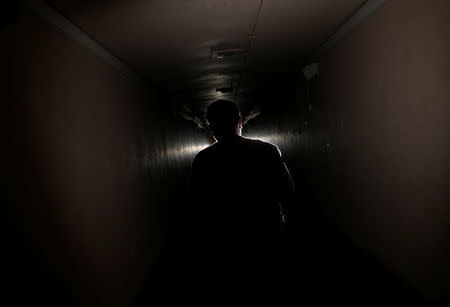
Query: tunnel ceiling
[[172, 42]]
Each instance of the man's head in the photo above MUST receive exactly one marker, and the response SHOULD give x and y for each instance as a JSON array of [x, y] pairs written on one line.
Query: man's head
[[223, 118]]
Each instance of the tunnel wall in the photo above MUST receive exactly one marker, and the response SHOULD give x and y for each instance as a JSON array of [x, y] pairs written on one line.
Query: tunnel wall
[[85, 166], [386, 92]]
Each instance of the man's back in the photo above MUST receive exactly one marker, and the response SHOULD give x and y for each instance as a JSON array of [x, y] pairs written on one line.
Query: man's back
[[236, 186]]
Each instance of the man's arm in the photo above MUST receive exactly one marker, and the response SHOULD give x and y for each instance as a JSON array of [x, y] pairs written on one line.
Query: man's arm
[[194, 179], [196, 188], [284, 185]]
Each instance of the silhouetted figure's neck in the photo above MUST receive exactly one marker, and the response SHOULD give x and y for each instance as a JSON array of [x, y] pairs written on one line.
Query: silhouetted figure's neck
[[228, 137]]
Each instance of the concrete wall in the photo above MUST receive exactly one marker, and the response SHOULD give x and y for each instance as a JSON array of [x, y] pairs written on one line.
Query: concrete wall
[[84, 221], [386, 88]]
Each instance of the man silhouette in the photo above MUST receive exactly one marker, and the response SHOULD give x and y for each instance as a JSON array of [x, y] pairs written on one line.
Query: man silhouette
[[237, 188]]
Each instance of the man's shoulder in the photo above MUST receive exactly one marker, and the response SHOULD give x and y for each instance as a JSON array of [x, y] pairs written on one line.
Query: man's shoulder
[[250, 145], [263, 146], [205, 152]]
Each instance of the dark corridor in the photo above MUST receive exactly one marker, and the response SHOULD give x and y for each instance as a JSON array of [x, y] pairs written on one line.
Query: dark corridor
[[103, 115]]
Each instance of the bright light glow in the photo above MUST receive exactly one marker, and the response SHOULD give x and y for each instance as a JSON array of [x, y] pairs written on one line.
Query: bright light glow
[[270, 138], [186, 150], [283, 139]]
